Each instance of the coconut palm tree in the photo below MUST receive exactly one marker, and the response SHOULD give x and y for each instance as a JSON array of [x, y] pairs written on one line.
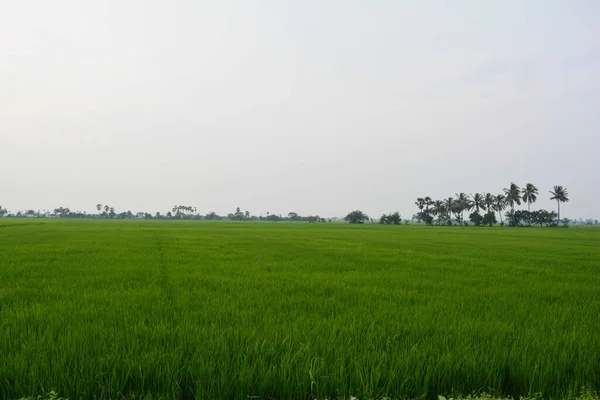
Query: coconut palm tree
[[478, 202], [449, 206], [561, 195], [99, 208], [462, 203], [513, 195], [529, 193], [489, 201], [438, 209], [500, 205]]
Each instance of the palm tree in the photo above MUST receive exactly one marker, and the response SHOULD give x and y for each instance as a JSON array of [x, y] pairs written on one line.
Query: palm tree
[[529, 196], [106, 209], [428, 203], [489, 201], [449, 206], [438, 209], [478, 202], [559, 194], [500, 205], [420, 203], [462, 203], [513, 195], [99, 208]]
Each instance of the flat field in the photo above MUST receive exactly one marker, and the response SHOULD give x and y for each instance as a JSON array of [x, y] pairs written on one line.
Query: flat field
[[177, 309]]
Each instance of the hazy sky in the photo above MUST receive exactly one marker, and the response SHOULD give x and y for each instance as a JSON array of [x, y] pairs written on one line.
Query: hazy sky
[[317, 107]]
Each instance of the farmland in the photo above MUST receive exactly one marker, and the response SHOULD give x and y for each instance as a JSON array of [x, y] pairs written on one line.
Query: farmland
[[178, 309]]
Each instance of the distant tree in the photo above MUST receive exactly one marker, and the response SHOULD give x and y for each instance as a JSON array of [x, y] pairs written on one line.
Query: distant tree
[[62, 212], [559, 194], [99, 208], [420, 203], [513, 196], [438, 210], [518, 217], [478, 201], [449, 206], [489, 218], [529, 193], [273, 217], [428, 203], [181, 211], [111, 212], [511, 218], [247, 214], [212, 216], [476, 218], [426, 210], [500, 205], [293, 216], [489, 201], [394, 218], [3, 211], [238, 216], [106, 209], [356, 217], [461, 204], [383, 219]]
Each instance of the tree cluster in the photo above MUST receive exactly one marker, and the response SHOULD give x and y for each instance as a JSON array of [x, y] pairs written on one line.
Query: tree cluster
[[451, 210], [391, 219], [177, 212], [356, 217]]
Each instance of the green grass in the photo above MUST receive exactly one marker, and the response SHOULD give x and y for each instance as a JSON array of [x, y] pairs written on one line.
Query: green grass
[[108, 309]]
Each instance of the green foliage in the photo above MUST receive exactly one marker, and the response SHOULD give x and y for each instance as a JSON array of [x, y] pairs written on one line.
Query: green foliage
[[489, 218], [182, 309], [513, 195], [356, 217], [444, 209], [476, 218], [394, 219]]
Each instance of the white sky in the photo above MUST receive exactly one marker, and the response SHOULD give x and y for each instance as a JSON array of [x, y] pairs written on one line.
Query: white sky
[[317, 107]]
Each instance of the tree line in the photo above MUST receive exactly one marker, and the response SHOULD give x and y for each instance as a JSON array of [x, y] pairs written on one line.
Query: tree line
[[178, 212], [482, 208]]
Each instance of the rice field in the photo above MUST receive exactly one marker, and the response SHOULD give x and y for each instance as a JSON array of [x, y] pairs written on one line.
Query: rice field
[[173, 309]]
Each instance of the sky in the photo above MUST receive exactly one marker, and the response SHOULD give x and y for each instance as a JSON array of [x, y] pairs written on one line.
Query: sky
[[313, 106]]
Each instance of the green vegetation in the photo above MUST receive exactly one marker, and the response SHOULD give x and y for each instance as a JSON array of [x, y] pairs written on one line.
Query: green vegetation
[[443, 209], [184, 309]]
